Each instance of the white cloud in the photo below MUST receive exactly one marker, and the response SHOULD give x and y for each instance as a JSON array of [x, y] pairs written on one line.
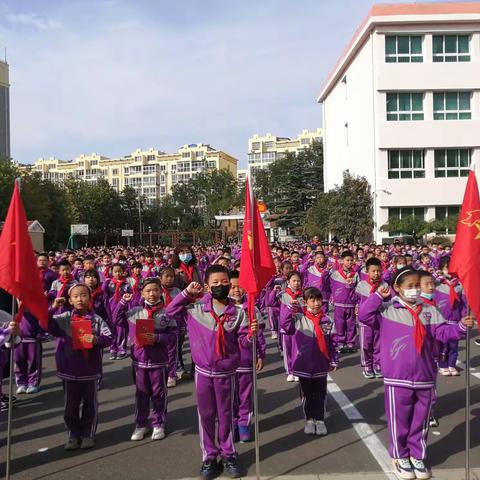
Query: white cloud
[[32, 20]]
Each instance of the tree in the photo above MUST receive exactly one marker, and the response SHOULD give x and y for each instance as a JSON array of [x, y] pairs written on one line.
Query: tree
[[317, 221], [411, 225], [291, 185]]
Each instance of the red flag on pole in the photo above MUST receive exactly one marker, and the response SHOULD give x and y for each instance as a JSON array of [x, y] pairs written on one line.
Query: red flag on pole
[[464, 262], [256, 263], [18, 269]]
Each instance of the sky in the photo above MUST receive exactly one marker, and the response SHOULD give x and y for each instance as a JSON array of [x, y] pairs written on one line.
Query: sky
[[110, 76]]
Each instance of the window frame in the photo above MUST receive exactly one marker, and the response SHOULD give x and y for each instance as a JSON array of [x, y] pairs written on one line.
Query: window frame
[[400, 172], [462, 170], [403, 57], [446, 113], [449, 57], [397, 99]]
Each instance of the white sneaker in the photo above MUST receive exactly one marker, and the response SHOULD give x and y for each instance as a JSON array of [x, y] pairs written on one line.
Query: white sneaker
[[32, 389], [454, 372], [403, 468], [309, 428], [290, 378], [171, 382], [444, 371], [320, 428], [421, 471], [22, 389], [139, 433], [158, 433], [296, 379], [274, 335]]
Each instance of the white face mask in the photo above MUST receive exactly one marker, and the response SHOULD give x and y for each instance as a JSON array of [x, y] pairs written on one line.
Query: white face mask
[[411, 294], [400, 266]]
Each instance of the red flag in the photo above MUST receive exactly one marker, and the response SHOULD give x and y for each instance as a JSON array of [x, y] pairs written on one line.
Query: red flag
[[256, 263], [466, 254], [18, 269]]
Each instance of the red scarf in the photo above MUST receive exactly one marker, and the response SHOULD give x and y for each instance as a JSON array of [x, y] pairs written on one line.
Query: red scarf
[[453, 294], [293, 295], [188, 271], [419, 332], [319, 268], [373, 286], [316, 320], [94, 295], [107, 271], [167, 296], [153, 309], [346, 275], [295, 267], [220, 339], [150, 267], [64, 282], [118, 285], [429, 302], [136, 281]]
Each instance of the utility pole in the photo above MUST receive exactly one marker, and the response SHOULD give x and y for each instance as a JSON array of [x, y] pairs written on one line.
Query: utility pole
[[139, 218]]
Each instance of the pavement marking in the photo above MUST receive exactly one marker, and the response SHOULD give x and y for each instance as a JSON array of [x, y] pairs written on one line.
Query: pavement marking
[[363, 429], [472, 369]]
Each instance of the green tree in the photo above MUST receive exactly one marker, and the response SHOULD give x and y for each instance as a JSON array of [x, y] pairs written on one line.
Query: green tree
[[317, 221], [410, 225]]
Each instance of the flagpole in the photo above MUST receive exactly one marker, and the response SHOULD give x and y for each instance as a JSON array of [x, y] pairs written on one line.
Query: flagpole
[[10, 397], [254, 354], [467, 403]]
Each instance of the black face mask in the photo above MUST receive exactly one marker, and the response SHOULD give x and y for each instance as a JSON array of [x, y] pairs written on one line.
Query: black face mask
[[220, 292]]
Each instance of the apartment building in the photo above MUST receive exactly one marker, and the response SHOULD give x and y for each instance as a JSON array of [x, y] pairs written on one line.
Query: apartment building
[[4, 111], [402, 107]]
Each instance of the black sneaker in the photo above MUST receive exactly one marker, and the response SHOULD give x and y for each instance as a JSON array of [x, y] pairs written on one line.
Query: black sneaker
[[343, 349], [121, 356], [433, 422], [230, 468], [209, 470]]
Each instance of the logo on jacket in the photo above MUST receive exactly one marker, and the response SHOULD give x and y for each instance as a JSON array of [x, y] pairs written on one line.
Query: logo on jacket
[[427, 316], [398, 345]]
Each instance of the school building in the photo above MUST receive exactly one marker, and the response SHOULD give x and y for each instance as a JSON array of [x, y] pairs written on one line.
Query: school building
[[263, 150], [151, 172], [4, 111], [402, 107]]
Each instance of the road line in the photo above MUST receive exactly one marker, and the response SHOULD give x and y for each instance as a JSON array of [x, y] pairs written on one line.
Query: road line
[[472, 369], [363, 429]]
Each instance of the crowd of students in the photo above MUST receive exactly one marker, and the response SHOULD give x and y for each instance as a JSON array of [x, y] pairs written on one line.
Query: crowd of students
[[397, 304]]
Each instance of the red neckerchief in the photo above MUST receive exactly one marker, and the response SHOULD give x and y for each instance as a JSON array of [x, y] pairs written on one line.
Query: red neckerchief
[[64, 282], [429, 302], [93, 295], [136, 281], [384, 266], [316, 320], [153, 309], [346, 275], [295, 267], [107, 271], [319, 268], [419, 332], [220, 339], [167, 296], [293, 295], [118, 285], [373, 286], [150, 267], [187, 270], [452, 294]]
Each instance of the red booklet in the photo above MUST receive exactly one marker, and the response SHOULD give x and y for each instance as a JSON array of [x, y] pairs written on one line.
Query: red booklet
[[142, 326], [79, 329]]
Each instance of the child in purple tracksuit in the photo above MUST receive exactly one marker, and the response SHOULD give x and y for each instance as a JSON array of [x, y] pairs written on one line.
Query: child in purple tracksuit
[[150, 359], [60, 287], [451, 302], [408, 330], [217, 329], [317, 276], [313, 355], [370, 332], [48, 276], [80, 369], [28, 355], [244, 375], [115, 288], [343, 282]]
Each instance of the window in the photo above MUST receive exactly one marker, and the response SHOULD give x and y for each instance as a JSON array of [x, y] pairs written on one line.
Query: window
[[183, 167], [268, 157], [149, 180], [163, 168], [149, 169], [451, 48], [94, 163], [135, 169], [151, 158], [115, 183], [115, 171], [305, 141], [186, 154], [406, 164], [212, 164], [254, 158], [255, 145], [404, 106], [138, 159], [449, 215], [267, 145], [199, 154], [451, 106], [199, 165], [452, 162], [404, 212], [403, 49]]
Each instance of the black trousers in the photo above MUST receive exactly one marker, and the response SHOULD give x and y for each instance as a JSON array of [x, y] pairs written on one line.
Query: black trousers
[[314, 392]]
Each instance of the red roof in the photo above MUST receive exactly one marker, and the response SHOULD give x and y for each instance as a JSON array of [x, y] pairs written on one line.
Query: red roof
[[395, 9]]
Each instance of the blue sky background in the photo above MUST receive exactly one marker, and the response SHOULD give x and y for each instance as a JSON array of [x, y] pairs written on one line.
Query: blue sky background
[[108, 76]]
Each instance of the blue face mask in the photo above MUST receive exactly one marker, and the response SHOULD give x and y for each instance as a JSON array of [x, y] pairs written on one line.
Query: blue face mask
[[185, 257], [428, 296]]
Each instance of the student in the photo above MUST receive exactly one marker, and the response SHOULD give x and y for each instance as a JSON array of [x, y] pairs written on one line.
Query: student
[[408, 332], [48, 276], [185, 264], [313, 355], [451, 302], [78, 269], [62, 285], [135, 280], [79, 362], [175, 349], [105, 268], [343, 282], [115, 287], [149, 268], [149, 355], [216, 329], [244, 375], [370, 332], [317, 276]]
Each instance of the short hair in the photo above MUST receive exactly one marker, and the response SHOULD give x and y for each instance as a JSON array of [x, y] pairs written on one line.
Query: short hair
[[234, 274], [64, 263], [215, 269], [346, 253], [42, 254], [424, 273], [149, 254], [137, 265], [166, 270], [375, 262], [89, 257], [444, 262], [91, 272], [312, 293], [151, 281], [118, 265]]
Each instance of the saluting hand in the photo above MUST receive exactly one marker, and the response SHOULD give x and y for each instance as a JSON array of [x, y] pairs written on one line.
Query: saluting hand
[[127, 297], [58, 301], [384, 292], [195, 289]]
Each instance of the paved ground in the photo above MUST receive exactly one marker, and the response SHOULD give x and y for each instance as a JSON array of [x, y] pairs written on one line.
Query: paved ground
[[354, 447]]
